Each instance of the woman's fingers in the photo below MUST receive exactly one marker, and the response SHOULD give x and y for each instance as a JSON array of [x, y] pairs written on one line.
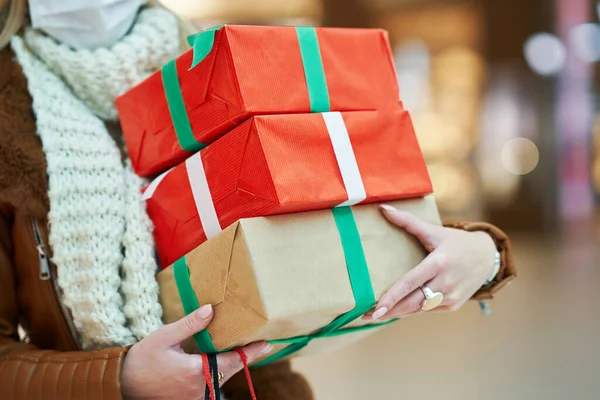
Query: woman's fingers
[[230, 362], [433, 264], [173, 334], [407, 305], [428, 234], [451, 290]]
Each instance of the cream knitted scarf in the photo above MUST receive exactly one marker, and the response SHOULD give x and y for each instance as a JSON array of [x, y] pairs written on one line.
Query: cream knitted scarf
[[100, 233]]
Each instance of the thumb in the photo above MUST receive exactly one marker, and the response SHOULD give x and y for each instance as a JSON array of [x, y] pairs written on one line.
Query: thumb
[[426, 233], [176, 332]]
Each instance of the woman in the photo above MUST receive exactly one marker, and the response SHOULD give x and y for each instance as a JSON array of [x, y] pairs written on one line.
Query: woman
[[91, 316]]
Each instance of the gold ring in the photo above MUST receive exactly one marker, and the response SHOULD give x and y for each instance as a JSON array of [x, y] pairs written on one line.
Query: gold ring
[[432, 299]]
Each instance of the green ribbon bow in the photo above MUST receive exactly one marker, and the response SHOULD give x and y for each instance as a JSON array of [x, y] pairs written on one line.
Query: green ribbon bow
[[360, 282], [202, 44]]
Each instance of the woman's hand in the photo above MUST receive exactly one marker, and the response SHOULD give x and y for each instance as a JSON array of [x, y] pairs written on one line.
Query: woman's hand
[[459, 263], [157, 367]]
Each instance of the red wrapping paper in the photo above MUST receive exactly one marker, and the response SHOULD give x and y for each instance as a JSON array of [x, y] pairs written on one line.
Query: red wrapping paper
[[286, 163], [249, 71]]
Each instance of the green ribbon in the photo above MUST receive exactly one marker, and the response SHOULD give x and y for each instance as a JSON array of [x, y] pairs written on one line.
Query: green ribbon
[[339, 332], [202, 43], [313, 69], [189, 302], [179, 116], [360, 282]]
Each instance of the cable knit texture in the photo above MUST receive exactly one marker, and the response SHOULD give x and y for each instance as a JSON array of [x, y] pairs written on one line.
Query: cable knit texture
[[96, 210], [139, 266], [97, 77]]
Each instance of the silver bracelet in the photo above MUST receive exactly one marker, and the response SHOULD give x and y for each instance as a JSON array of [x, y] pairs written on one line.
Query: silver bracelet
[[486, 306], [497, 262]]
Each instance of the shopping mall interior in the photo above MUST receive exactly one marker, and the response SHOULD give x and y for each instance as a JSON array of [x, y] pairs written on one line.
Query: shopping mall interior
[[503, 98]]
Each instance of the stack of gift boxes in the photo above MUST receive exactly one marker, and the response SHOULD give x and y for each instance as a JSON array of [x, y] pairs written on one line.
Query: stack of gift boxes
[[270, 149]]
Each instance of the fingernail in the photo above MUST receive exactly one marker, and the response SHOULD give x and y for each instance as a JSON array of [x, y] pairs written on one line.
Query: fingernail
[[387, 207], [379, 313], [205, 311], [266, 348]]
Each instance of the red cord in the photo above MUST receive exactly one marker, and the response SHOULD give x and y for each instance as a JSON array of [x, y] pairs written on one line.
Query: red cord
[[208, 377], [247, 372]]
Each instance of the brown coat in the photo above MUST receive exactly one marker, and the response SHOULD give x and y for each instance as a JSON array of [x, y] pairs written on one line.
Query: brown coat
[[47, 363]]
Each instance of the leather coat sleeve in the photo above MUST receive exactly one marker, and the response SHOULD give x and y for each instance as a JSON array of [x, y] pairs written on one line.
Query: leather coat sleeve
[[507, 270], [27, 372]]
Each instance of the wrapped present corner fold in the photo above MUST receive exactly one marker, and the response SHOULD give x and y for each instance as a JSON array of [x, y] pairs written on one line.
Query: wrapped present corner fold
[[279, 164], [234, 72], [294, 279]]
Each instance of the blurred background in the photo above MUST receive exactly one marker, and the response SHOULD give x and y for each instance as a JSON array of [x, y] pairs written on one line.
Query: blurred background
[[503, 98]]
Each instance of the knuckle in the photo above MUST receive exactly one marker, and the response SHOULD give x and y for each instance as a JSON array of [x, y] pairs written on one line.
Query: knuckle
[[448, 285], [410, 284], [408, 218], [442, 263], [428, 243], [189, 322], [233, 364]]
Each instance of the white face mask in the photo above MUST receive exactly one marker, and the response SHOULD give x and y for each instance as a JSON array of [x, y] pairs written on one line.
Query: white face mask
[[84, 24]]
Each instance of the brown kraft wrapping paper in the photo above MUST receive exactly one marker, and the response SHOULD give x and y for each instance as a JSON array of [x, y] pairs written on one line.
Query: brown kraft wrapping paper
[[284, 276]]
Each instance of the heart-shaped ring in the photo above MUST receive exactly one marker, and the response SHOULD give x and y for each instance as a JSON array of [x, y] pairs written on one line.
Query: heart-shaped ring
[[432, 299]]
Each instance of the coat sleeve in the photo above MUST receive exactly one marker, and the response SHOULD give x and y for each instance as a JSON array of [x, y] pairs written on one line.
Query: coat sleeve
[[27, 372], [507, 270]]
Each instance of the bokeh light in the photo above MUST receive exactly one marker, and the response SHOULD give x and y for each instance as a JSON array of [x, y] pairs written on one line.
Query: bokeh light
[[243, 10], [520, 156], [413, 61], [585, 42], [440, 137], [455, 185], [545, 53], [460, 68]]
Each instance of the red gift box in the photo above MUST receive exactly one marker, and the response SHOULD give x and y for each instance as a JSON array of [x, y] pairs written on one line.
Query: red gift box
[[235, 72], [278, 164]]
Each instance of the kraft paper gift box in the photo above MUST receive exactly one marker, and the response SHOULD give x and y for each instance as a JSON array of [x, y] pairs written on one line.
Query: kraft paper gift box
[[234, 72], [296, 280], [280, 164]]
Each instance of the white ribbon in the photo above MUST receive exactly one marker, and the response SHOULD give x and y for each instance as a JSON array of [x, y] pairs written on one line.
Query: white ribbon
[[151, 188], [344, 153], [202, 196]]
